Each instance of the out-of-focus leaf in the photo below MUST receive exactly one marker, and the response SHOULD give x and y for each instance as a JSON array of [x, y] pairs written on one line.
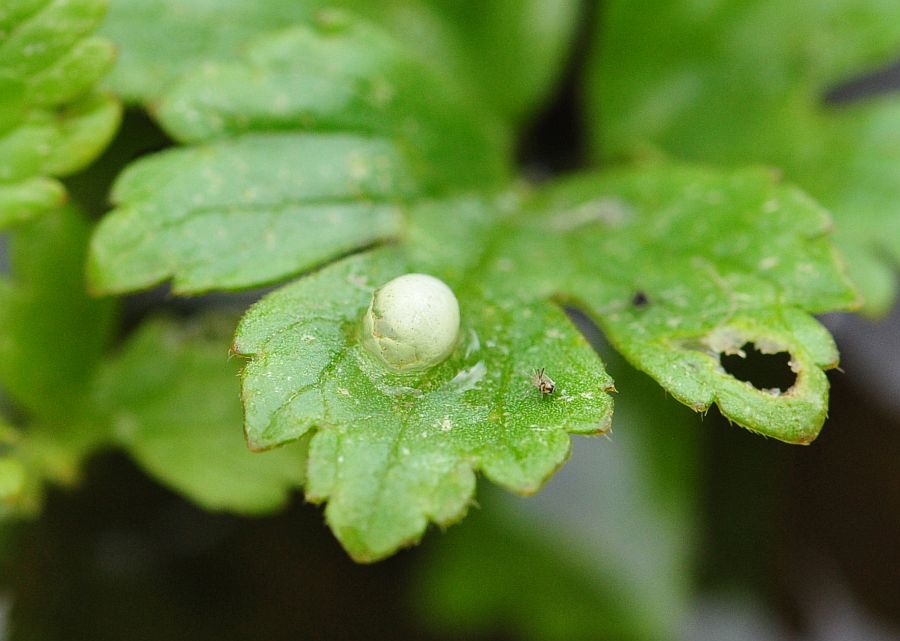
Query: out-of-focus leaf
[[173, 402], [745, 82], [506, 51], [52, 337], [341, 75], [513, 49], [24, 199], [50, 122], [12, 478], [45, 452], [159, 40], [334, 128], [52, 334]]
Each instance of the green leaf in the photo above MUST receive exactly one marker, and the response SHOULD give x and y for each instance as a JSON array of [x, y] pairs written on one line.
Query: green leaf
[[172, 400], [512, 50], [575, 562], [51, 333], [329, 138], [341, 74], [243, 212], [509, 56], [723, 259], [14, 475], [45, 452], [50, 122], [338, 129], [22, 200], [690, 80], [52, 337], [12, 478], [392, 452], [159, 41]]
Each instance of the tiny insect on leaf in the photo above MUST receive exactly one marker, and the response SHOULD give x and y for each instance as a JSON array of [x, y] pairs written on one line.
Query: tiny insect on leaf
[[544, 383]]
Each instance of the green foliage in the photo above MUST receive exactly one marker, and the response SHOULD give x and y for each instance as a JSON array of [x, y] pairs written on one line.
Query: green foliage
[[359, 141], [172, 402], [12, 478], [745, 82], [723, 260], [52, 337], [283, 160], [525, 41], [606, 238], [512, 51], [394, 451], [46, 452], [331, 136], [51, 122], [242, 212], [159, 41], [13, 474], [170, 398], [576, 559], [52, 334]]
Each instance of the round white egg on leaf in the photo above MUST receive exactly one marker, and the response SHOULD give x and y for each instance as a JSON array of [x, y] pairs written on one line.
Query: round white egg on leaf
[[412, 323]]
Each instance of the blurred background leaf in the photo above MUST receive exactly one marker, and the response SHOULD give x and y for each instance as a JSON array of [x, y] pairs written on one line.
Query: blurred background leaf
[[52, 123], [742, 82], [237, 207], [511, 54], [52, 334], [172, 400]]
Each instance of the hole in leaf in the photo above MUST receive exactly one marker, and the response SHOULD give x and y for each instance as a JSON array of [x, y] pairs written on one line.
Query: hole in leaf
[[763, 371]]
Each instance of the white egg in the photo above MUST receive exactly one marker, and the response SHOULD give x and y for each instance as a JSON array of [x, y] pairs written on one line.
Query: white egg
[[412, 323]]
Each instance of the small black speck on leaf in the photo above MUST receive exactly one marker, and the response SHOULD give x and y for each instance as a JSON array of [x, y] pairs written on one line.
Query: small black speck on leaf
[[640, 299]]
